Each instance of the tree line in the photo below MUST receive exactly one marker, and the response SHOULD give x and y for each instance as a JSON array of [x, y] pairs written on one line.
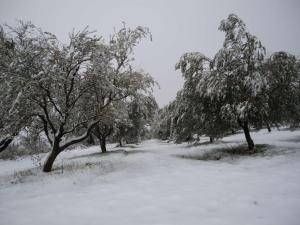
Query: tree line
[[88, 89], [239, 88]]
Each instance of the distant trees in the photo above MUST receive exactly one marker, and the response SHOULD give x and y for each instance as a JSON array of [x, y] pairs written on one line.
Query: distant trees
[[128, 120], [283, 90], [195, 112], [163, 121], [67, 90], [142, 109], [115, 82], [237, 88]]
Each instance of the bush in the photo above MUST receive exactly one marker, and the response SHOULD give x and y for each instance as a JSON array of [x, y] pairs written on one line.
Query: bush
[[24, 145]]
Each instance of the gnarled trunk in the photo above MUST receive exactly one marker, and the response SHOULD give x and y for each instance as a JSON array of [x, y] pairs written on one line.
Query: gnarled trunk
[[50, 160], [57, 148]]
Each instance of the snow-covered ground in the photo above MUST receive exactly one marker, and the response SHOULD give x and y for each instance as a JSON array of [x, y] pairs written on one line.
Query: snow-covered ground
[[150, 184]]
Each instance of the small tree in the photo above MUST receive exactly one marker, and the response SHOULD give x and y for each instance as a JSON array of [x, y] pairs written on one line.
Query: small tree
[[122, 123], [195, 113], [231, 86], [99, 75], [114, 80], [63, 83], [141, 113], [102, 130], [236, 79]]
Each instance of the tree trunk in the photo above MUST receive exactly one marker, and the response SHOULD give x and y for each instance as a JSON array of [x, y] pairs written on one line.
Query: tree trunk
[[103, 144], [249, 140], [211, 139], [123, 141], [120, 143], [57, 148], [268, 127], [50, 160]]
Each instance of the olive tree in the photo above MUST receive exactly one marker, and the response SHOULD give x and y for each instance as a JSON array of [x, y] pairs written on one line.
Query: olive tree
[[234, 81], [66, 88]]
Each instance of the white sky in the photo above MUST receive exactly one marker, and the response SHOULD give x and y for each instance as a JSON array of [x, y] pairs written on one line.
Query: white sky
[[177, 27]]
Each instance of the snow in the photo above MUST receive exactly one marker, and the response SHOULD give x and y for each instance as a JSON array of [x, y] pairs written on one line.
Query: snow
[[16, 101], [148, 184]]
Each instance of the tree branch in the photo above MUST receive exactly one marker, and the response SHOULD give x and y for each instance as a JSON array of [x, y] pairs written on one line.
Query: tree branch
[[44, 107], [81, 138], [45, 126], [51, 100]]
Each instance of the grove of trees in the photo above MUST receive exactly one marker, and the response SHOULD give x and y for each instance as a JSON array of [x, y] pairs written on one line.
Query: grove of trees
[[239, 88], [88, 90]]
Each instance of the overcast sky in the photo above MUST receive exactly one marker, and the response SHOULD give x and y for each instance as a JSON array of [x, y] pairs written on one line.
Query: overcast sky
[[176, 26]]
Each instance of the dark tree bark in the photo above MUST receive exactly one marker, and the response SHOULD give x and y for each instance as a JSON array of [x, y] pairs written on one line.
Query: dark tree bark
[[120, 143], [102, 131], [103, 145], [57, 148], [268, 127], [211, 139], [188, 138], [249, 140], [5, 143], [50, 159]]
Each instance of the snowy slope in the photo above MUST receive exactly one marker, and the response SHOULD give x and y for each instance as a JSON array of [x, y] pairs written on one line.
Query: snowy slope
[[150, 185]]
